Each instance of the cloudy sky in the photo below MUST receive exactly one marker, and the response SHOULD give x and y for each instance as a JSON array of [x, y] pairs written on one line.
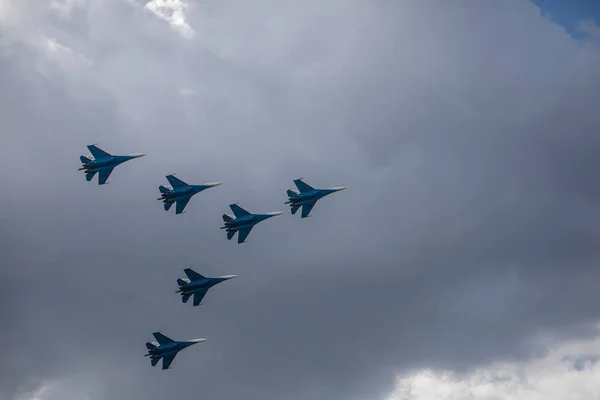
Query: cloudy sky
[[461, 263]]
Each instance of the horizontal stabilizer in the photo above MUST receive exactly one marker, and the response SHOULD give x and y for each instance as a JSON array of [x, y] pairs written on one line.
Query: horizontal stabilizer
[[150, 346], [85, 159], [295, 209], [164, 189], [185, 297], [227, 218], [292, 193], [154, 361], [167, 206], [181, 282], [90, 175], [230, 234]]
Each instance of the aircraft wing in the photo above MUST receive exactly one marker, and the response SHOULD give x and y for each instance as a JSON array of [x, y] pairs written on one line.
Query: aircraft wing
[[97, 153], [303, 187], [243, 234], [176, 183], [181, 203], [306, 208], [238, 211], [103, 175], [162, 339], [198, 296], [168, 359], [193, 275]]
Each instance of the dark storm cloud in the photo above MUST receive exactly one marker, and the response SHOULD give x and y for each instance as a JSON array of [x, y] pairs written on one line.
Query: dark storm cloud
[[466, 136]]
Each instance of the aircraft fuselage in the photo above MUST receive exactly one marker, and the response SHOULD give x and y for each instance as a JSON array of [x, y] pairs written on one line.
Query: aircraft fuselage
[[306, 197], [200, 285], [104, 163], [245, 222], [174, 347], [183, 192]]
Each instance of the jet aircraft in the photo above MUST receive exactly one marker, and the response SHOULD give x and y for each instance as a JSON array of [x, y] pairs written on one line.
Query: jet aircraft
[[307, 197], [103, 163], [243, 222], [180, 192], [197, 285], [166, 348]]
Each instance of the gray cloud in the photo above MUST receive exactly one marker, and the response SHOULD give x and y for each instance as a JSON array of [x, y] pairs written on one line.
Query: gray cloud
[[466, 136]]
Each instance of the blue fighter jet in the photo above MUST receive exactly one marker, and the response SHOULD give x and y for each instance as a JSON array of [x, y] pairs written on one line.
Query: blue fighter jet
[[197, 285], [307, 197], [102, 162], [243, 222], [180, 192], [166, 348]]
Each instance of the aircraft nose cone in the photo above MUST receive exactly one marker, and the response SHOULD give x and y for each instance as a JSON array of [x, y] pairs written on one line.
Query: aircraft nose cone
[[215, 184], [229, 276], [198, 340], [340, 188], [138, 155], [276, 213]]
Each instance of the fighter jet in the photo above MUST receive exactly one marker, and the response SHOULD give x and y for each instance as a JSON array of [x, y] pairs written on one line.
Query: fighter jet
[[243, 222], [102, 162], [197, 285], [307, 197], [180, 192], [166, 348]]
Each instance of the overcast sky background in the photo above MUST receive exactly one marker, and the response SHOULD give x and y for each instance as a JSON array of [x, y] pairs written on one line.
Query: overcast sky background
[[467, 134]]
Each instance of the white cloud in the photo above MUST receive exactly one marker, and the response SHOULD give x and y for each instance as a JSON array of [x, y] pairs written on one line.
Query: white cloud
[[64, 7], [55, 391], [172, 11], [186, 92], [569, 371], [8, 13], [62, 54]]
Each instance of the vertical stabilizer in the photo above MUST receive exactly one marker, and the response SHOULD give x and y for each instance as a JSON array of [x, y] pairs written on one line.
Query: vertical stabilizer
[[164, 189], [181, 282]]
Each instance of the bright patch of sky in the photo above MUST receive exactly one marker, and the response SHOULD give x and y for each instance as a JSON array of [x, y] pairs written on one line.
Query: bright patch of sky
[[569, 371]]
